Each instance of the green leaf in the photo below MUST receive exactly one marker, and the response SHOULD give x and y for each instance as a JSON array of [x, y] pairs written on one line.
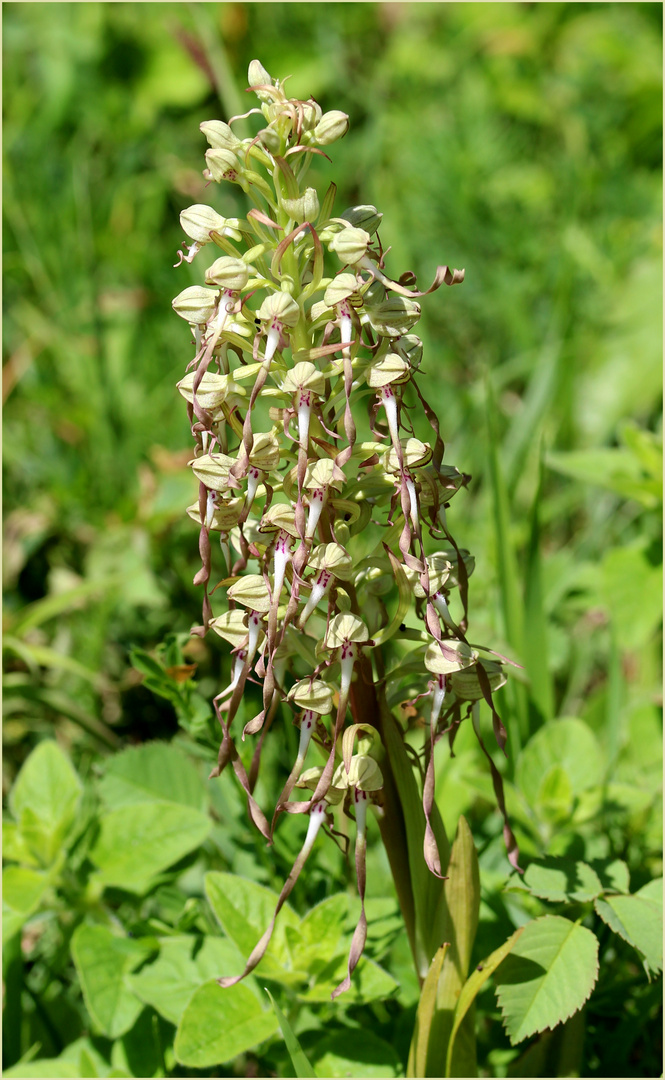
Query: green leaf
[[472, 987], [138, 841], [169, 982], [22, 890], [244, 910], [299, 1060], [653, 890], [462, 897], [632, 591], [45, 1067], [548, 976], [555, 794], [103, 961], [536, 642], [44, 799], [43, 610], [614, 469], [155, 770], [370, 982], [639, 921], [560, 880], [567, 742], [355, 1052], [316, 940], [425, 1013], [218, 1024], [47, 783]]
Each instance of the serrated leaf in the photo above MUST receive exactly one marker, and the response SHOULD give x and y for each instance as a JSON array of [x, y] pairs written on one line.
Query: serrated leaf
[[138, 841], [560, 880], [169, 982], [548, 976], [102, 961], [639, 921], [218, 1024], [154, 770]]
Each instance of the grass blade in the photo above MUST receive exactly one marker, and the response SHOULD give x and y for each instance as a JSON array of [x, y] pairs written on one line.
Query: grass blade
[[301, 1065]]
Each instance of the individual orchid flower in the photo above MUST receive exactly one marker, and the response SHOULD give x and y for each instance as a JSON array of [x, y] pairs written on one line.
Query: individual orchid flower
[[329, 561], [280, 313]]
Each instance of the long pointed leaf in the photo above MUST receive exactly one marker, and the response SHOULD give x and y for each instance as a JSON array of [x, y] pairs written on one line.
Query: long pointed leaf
[[426, 1008], [297, 1054], [472, 987]]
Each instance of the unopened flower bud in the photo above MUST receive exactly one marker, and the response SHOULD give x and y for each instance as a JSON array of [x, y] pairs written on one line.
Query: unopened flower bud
[[270, 139], [331, 127], [258, 76], [350, 245], [195, 304], [311, 114], [199, 221], [394, 316], [363, 217], [411, 348], [305, 208], [219, 135], [228, 273]]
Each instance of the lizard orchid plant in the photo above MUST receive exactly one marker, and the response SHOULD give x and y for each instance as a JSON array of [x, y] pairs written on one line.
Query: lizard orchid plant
[[302, 393]]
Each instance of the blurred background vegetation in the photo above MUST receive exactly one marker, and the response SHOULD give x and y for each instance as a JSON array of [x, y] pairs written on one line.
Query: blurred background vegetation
[[520, 141]]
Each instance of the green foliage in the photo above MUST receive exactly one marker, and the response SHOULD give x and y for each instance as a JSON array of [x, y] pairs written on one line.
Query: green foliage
[[548, 976], [520, 141]]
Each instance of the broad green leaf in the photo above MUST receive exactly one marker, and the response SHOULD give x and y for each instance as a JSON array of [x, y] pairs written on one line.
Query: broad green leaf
[[154, 770], [567, 742], [218, 1024], [44, 799], [369, 982], [639, 921], [244, 910], [355, 1052], [613, 873], [14, 847], [472, 987], [45, 1067], [632, 591], [555, 794], [22, 890], [653, 890], [548, 976], [298, 1057], [141, 840], [103, 961], [169, 982], [315, 941]]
